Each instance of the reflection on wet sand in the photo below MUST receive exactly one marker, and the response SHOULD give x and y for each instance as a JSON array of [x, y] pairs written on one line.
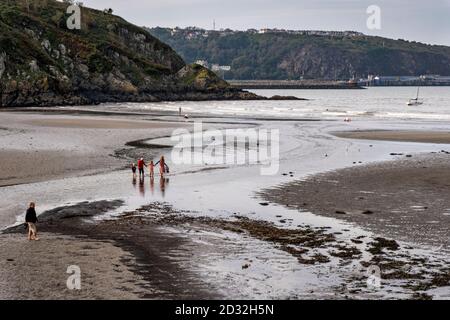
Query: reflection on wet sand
[[152, 185], [163, 183], [142, 186]]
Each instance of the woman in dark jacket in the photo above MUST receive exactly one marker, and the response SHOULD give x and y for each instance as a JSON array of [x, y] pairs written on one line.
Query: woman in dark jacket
[[31, 219]]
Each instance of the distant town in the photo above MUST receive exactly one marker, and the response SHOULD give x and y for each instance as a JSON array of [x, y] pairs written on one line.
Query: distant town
[[190, 33]]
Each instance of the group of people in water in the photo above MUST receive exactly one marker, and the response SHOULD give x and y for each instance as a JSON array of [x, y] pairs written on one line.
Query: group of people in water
[[31, 216], [141, 165]]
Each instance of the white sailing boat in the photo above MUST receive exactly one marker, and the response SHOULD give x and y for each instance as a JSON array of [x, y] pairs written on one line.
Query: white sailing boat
[[416, 101]]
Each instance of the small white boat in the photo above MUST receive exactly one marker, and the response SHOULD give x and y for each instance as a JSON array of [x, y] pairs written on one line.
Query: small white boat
[[416, 101]]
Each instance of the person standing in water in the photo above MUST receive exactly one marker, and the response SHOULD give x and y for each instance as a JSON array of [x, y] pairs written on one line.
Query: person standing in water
[[31, 220], [133, 169], [163, 167], [151, 169], [141, 165]]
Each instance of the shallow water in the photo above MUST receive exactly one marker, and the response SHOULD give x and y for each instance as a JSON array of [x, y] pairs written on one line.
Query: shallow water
[[387, 103], [306, 147]]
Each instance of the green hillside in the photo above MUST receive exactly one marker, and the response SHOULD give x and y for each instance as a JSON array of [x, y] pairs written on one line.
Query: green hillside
[[285, 55], [42, 62]]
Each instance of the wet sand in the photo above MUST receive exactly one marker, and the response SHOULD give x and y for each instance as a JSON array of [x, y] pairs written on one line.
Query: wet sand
[[37, 270], [19, 166], [136, 254], [98, 123], [118, 259], [36, 147], [398, 135], [156, 252], [405, 199]]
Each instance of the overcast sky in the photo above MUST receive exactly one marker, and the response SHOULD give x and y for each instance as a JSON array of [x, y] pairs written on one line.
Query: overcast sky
[[421, 20]]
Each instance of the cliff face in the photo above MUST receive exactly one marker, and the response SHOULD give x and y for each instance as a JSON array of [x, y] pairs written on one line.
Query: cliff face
[[42, 62], [314, 61], [286, 55]]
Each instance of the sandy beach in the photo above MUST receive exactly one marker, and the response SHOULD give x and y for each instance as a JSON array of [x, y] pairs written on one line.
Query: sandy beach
[[157, 252], [307, 238], [36, 147], [37, 270], [120, 259], [224, 162], [405, 199], [398, 135]]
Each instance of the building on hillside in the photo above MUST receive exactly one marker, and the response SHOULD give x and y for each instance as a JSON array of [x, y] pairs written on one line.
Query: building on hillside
[[220, 70], [203, 63]]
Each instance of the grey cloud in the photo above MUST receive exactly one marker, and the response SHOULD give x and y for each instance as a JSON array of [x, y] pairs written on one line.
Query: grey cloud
[[426, 21]]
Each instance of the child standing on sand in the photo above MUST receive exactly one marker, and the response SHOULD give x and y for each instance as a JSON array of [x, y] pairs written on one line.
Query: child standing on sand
[[31, 219]]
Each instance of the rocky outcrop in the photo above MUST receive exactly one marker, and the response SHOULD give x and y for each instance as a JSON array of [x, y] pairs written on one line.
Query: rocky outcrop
[[43, 63]]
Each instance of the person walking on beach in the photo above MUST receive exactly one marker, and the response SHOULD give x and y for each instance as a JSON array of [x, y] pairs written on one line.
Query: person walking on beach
[[151, 169], [31, 219], [163, 167], [141, 165], [133, 169]]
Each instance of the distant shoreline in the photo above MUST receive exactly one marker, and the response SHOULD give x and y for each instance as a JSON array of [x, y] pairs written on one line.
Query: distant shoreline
[[292, 84], [316, 84]]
